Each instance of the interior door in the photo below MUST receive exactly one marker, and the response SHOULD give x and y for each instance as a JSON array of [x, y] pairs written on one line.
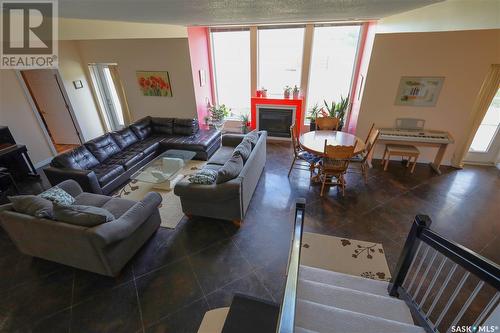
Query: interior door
[[51, 104], [485, 146]]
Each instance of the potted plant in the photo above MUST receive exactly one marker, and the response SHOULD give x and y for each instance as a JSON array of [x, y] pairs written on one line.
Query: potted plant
[[313, 114], [337, 110], [245, 123], [296, 91], [263, 92], [217, 115], [287, 91]]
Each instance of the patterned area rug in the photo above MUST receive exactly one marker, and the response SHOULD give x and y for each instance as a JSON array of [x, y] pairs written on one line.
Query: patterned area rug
[[345, 255], [170, 208]]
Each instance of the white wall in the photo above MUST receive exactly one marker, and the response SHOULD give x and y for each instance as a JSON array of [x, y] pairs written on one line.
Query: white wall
[[17, 114], [79, 29], [82, 100], [133, 55], [462, 57], [450, 15]]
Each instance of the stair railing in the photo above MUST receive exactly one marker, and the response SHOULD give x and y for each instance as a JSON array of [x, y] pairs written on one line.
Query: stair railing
[[286, 320], [421, 281]]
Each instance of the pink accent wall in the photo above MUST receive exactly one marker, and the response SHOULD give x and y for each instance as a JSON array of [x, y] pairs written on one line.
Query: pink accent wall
[[199, 52], [359, 79]]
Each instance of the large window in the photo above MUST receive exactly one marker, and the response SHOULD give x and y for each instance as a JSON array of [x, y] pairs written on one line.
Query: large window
[[280, 58], [231, 60], [333, 58]]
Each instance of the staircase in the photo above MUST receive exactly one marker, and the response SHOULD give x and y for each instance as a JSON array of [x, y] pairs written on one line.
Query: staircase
[[328, 301]]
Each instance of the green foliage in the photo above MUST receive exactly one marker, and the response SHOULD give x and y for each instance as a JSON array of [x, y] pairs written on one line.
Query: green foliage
[[218, 112], [314, 112], [337, 110]]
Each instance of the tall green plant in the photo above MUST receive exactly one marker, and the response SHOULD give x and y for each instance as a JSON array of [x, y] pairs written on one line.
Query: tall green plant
[[219, 112], [314, 112], [338, 110]]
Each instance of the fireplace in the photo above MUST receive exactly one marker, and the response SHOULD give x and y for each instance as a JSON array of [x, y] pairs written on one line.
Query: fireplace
[[276, 120]]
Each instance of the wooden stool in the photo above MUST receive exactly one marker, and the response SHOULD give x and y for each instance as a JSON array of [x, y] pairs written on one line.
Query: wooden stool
[[403, 151]]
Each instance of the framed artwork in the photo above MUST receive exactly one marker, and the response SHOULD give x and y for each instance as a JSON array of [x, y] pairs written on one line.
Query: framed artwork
[[154, 83], [419, 90], [78, 84]]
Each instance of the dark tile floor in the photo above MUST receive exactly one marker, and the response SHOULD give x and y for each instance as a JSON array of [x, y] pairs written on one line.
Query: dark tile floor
[[179, 274]]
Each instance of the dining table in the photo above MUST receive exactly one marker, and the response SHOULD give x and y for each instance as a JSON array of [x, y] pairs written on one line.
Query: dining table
[[314, 141]]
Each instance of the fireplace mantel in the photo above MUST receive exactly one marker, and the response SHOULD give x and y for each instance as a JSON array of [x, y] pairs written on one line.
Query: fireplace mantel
[[297, 103]]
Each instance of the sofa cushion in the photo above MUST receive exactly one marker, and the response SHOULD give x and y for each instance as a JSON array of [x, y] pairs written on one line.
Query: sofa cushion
[[91, 199], [253, 137], [244, 149], [126, 158], [124, 137], [58, 195], [147, 146], [32, 205], [85, 216], [107, 172], [198, 142], [185, 126], [215, 167], [163, 126], [230, 170], [222, 155], [205, 176], [118, 206], [79, 158], [142, 127], [103, 147]]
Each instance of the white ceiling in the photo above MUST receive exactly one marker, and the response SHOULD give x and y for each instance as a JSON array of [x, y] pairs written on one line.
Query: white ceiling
[[222, 12]]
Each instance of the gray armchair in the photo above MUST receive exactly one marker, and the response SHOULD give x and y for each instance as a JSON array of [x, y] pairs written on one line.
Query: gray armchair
[[102, 249]]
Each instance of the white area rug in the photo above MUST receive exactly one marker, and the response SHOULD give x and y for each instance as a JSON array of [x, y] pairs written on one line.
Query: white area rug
[[344, 255], [170, 208]]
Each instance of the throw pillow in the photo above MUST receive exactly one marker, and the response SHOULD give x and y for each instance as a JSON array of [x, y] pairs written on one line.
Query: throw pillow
[[244, 149], [230, 170], [57, 195], [32, 205], [85, 216], [253, 137], [203, 177]]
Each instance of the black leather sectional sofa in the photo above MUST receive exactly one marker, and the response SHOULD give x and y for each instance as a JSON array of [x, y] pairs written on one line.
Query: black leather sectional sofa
[[106, 162]]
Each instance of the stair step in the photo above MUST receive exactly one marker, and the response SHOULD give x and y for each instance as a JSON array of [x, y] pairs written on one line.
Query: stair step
[[344, 280], [353, 300], [324, 318]]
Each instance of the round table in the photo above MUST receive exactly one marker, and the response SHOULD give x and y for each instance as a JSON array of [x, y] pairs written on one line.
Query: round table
[[314, 141]]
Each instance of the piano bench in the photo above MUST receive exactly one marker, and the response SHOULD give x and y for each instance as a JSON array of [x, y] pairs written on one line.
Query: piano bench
[[403, 151]]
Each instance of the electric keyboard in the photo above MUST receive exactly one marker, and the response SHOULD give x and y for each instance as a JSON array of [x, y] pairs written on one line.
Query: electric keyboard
[[426, 136]]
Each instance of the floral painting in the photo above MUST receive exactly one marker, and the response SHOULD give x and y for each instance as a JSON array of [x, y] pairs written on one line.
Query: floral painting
[[154, 83]]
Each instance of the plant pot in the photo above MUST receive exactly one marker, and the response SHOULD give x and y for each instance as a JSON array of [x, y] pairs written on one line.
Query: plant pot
[[286, 95], [296, 95], [264, 93], [312, 125]]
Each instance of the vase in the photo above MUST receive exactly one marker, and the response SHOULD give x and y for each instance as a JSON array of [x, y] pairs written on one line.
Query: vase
[[296, 95], [264, 93], [286, 94]]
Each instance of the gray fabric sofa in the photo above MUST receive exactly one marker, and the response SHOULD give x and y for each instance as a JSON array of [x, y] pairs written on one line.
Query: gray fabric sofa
[[229, 200], [102, 249]]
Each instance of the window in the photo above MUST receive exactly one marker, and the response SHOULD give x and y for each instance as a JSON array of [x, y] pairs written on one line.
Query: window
[[333, 58], [107, 96], [487, 131], [231, 62], [280, 58]]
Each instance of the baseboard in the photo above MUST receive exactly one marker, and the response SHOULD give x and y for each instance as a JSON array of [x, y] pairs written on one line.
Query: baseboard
[[43, 163]]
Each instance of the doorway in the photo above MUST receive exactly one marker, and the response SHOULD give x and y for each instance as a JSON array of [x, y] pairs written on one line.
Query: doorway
[[485, 146], [46, 90]]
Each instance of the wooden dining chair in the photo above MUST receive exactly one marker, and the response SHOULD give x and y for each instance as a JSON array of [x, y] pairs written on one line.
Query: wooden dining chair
[[334, 166], [302, 160], [369, 133], [362, 158], [327, 123]]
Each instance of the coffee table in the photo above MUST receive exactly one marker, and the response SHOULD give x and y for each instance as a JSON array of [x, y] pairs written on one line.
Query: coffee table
[[163, 171]]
